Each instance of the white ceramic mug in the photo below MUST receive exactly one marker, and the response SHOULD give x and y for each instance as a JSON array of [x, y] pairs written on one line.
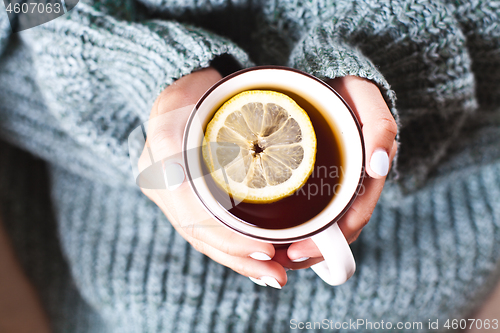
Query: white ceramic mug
[[339, 264]]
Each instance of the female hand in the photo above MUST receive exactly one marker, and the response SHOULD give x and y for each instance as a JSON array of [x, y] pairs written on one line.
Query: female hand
[[379, 131], [228, 248], [164, 138]]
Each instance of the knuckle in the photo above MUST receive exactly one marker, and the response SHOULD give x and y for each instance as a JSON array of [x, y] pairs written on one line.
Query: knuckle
[[198, 245], [163, 142], [191, 230], [230, 244], [164, 100], [395, 147], [225, 246], [164, 103], [388, 125], [192, 234], [162, 135], [239, 267], [173, 98]]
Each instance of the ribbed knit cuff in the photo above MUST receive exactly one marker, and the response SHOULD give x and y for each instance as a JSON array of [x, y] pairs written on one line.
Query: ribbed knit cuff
[[189, 48], [321, 55]]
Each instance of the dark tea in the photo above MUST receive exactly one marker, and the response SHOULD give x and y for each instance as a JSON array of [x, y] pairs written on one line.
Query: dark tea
[[309, 200]]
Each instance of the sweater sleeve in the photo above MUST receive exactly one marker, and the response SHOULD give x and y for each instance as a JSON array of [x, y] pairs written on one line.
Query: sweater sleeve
[[98, 77], [412, 49], [480, 22]]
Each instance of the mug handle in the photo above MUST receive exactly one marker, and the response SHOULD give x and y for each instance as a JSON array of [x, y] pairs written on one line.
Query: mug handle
[[339, 264]]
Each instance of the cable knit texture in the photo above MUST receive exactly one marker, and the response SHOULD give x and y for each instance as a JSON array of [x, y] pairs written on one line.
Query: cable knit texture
[[104, 257]]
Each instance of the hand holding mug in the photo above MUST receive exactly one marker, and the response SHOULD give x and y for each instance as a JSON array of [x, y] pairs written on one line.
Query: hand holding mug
[[379, 131], [164, 141], [200, 229]]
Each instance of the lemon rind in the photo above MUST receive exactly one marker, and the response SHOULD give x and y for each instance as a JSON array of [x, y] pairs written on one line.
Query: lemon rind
[[287, 188]]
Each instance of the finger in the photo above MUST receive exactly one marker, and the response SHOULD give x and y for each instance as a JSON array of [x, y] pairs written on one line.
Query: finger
[[281, 256], [359, 214], [304, 251], [378, 125], [268, 273], [379, 130], [165, 132], [353, 221], [194, 223], [164, 129]]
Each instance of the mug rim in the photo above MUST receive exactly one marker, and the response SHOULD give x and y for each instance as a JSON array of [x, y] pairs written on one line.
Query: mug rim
[[232, 227]]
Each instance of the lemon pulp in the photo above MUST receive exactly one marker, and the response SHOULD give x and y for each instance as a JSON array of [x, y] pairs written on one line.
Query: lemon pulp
[[260, 146]]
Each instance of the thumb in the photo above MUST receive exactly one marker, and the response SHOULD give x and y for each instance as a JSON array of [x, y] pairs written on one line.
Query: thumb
[[171, 111], [165, 128], [377, 123], [379, 131]]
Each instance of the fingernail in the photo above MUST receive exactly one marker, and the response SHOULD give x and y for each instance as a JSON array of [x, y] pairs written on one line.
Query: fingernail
[[260, 256], [270, 281], [257, 281], [379, 162], [174, 175], [301, 259]]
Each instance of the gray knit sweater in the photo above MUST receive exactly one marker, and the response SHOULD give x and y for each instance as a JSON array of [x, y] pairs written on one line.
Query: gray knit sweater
[[105, 259]]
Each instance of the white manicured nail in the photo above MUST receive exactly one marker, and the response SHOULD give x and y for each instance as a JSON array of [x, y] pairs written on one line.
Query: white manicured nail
[[257, 281], [379, 162], [174, 175], [301, 259], [270, 281], [260, 256]]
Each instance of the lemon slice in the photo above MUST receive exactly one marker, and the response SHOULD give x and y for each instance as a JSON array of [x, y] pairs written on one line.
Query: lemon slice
[[260, 146]]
